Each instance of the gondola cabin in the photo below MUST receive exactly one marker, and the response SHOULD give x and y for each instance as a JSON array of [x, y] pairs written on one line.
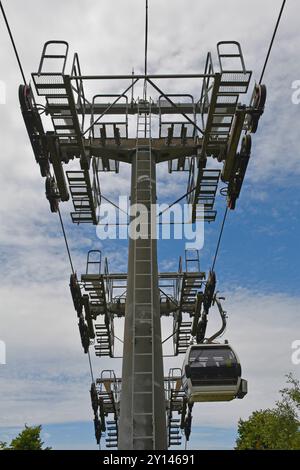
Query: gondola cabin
[[212, 372]]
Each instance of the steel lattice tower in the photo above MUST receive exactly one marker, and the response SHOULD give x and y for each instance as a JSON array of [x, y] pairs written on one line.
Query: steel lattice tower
[[143, 402]]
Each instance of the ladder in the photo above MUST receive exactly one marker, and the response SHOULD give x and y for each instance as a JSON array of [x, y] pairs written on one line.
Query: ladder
[[86, 196], [183, 335], [191, 284], [57, 88], [202, 198], [232, 80], [112, 434], [176, 397], [219, 103], [206, 194], [143, 296], [94, 258], [104, 346], [188, 288], [107, 395], [174, 434], [192, 260], [104, 328]]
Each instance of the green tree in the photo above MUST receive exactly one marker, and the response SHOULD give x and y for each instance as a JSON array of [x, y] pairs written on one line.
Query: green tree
[[276, 428], [291, 395], [28, 439]]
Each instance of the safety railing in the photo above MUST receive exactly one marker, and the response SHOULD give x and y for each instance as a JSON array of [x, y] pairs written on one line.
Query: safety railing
[[78, 88]]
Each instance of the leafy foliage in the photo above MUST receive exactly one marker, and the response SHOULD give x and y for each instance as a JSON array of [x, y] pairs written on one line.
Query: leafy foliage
[[28, 439], [277, 428]]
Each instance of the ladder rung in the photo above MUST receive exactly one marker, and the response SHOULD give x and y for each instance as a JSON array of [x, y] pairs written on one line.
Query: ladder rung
[[143, 354]]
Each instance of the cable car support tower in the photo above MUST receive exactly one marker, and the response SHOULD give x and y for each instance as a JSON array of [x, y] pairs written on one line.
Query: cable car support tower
[[137, 411]]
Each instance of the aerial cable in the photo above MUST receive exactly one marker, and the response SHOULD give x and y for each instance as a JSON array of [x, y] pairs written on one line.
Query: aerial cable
[[115, 205], [91, 368], [73, 271], [272, 41], [220, 238], [13, 43], [60, 217], [119, 339], [146, 39], [175, 202], [186, 444], [66, 241], [169, 337], [146, 51], [260, 80]]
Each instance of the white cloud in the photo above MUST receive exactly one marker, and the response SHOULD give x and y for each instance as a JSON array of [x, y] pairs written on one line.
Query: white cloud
[[179, 39], [261, 329], [46, 379]]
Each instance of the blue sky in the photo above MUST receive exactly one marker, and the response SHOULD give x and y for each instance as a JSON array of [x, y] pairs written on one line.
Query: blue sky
[[46, 378], [78, 435]]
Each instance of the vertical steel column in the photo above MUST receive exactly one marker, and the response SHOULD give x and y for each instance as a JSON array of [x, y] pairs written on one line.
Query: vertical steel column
[[143, 413]]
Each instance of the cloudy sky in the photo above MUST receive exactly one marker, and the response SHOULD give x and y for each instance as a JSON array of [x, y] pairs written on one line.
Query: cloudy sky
[[46, 378]]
